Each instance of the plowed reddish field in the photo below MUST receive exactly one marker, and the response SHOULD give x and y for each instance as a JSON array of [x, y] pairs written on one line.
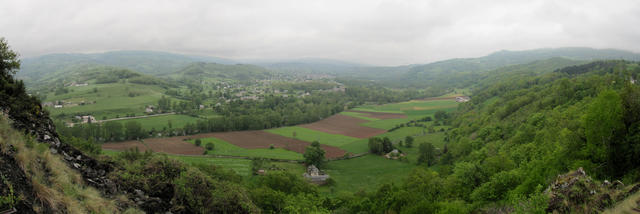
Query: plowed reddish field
[[344, 125], [170, 145]]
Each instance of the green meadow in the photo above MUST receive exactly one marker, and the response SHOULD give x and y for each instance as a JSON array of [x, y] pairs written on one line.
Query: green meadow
[[365, 173], [161, 122], [414, 110], [111, 100], [362, 146], [222, 147], [415, 106], [358, 115], [240, 166]]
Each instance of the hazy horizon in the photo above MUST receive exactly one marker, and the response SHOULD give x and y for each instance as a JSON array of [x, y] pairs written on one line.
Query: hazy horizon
[[367, 32]]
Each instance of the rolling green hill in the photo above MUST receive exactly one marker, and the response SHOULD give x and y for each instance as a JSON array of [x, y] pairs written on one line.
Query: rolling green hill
[[148, 62], [239, 72], [460, 73]]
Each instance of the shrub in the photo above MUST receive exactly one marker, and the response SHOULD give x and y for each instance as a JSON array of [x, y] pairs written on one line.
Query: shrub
[[209, 146], [197, 193], [408, 141], [198, 142], [257, 164]]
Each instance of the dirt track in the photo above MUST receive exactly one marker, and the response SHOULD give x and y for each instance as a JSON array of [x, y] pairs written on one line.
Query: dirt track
[[344, 125]]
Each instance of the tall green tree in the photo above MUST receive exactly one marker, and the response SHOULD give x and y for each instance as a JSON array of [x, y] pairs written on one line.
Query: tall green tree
[[603, 123], [113, 131], [375, 146], [408, 141], [427, 154], [314, 155], [440, 115], [133, 130], [9, 62]]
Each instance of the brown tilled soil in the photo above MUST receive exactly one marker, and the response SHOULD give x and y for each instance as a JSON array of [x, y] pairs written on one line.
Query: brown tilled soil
[[344, 125], [381, 115], [244, 139], [170, 145]]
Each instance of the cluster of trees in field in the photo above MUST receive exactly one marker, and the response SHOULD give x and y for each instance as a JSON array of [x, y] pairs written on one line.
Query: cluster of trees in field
[[380, 146]]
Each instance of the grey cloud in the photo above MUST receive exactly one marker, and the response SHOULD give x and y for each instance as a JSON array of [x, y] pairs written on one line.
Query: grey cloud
[[381, 32]]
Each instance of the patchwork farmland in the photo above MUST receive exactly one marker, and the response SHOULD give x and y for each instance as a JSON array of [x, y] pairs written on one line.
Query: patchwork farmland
[[339, 135]]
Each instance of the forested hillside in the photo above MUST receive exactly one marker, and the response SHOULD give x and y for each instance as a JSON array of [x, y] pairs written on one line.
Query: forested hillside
[[522, 129]]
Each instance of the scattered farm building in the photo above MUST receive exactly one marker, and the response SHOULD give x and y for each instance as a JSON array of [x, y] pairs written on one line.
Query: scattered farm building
[[314, 175], [462, 99]]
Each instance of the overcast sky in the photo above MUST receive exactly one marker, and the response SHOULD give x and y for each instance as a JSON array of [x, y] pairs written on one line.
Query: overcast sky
[[368, 31]]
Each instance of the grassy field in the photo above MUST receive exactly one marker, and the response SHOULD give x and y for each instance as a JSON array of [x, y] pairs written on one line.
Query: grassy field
[[240, 166], [225, 148], [414, 110], [160, 122], [207, 114], [388, 124], [405, 107], [362, 146], [358, 115], [111, 99], [366, 173], [436, 139], [313, 135]]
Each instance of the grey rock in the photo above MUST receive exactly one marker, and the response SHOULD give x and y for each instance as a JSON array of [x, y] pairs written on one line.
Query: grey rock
[[139, 193]]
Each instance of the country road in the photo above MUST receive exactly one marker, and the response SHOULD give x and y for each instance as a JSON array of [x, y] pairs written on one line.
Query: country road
[[136, 117], [126, 118]]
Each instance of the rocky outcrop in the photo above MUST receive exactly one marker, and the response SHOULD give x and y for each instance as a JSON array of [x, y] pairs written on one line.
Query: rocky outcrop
[[576, 192], [41, 127], [26, 114]]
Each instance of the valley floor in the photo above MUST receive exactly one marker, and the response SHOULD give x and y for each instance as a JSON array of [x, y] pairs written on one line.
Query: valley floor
[[343, 134]]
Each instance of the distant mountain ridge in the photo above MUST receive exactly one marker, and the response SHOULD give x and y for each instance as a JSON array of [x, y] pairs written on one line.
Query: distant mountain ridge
[[423, 74], [200, 70], [311, 65], [163, 63], [148, 62]]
